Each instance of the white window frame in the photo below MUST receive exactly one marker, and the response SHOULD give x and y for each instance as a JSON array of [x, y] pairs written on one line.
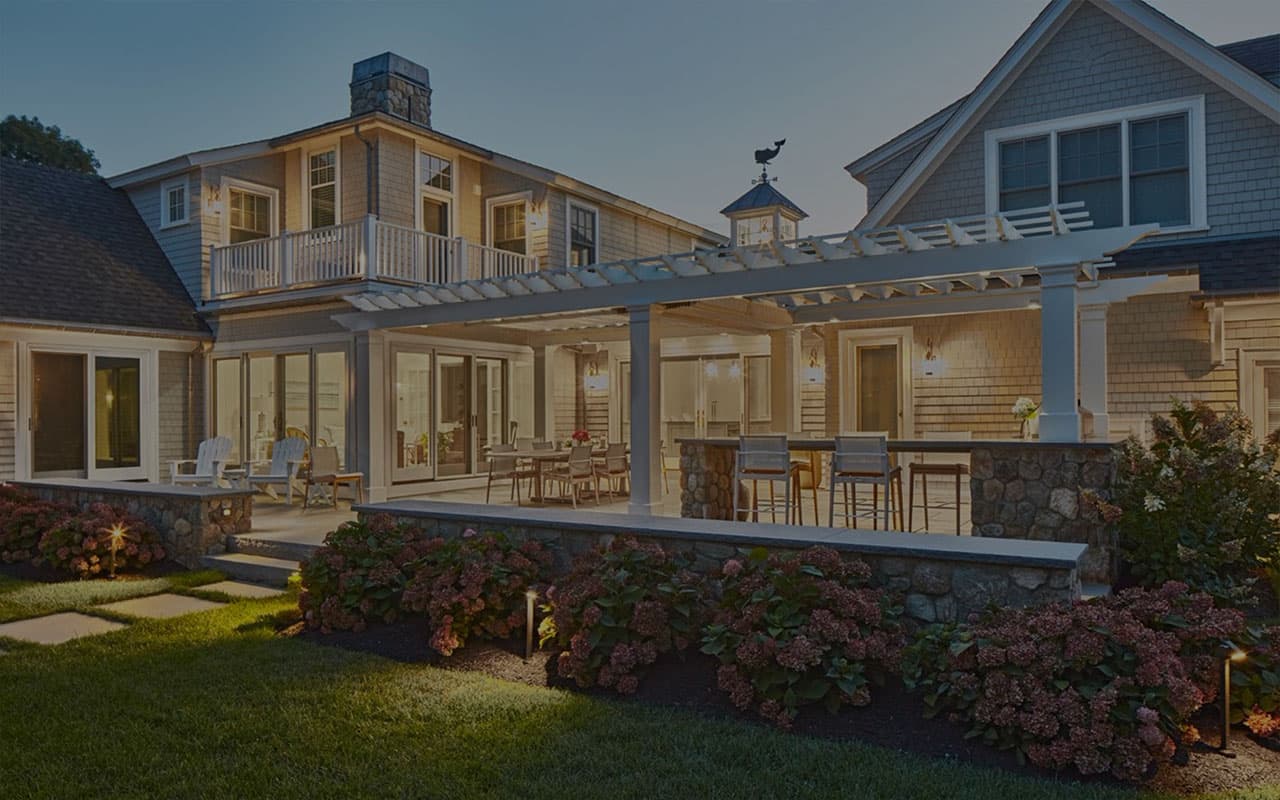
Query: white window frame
[[306, 153], [256, 188], [491, 203], [1193, 107], [168, 186], [570, 204], [422, 188], [1252, 393]]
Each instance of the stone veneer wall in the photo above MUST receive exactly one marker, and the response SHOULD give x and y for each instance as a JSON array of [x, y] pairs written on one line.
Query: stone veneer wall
[[942, 578], [706, 470], [192, 521], [1033, 491]]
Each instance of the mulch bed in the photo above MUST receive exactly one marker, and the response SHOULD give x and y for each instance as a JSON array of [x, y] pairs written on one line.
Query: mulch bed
[[895, 718], [26, 571]]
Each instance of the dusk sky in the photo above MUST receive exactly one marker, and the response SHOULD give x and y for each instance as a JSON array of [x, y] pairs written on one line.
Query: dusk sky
[[662, 102]]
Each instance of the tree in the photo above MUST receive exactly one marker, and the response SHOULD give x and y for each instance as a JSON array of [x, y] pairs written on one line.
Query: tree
[[31, 141]]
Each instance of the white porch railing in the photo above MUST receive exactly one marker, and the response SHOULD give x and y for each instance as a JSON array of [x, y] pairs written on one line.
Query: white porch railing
[[344, 252]]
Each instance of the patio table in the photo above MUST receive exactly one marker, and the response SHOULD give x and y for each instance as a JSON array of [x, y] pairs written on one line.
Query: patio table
[[539, 458]]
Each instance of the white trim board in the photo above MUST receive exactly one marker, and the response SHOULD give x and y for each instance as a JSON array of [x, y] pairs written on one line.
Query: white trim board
[[903, 337]]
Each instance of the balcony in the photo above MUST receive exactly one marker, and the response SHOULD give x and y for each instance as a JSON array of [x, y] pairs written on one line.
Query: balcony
[[365, 250]]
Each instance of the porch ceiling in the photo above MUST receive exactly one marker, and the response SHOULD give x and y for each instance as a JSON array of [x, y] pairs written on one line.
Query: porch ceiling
[[940, 260]]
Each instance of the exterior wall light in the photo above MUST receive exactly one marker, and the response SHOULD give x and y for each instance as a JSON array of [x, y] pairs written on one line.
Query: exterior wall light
[[593, 381], [813, 373], [530, 596], [1230, 652]]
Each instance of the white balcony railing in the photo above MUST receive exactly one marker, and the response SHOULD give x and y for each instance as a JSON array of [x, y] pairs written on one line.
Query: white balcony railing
[[344, 252]]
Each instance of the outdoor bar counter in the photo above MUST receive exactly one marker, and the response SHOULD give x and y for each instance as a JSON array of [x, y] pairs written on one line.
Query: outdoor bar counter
[[1018, 488]]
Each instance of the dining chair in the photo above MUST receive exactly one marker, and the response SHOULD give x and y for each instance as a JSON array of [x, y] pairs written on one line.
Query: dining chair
[[577, 472], [325, 470], [504, 467], [615, 467], [860, 460], [927, 465]]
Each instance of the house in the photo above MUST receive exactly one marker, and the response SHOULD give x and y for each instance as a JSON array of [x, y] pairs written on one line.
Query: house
[[251, 248], [1096, 226]]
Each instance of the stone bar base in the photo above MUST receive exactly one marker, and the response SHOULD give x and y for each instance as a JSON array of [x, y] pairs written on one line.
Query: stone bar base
[[1033, 491], [942, 578], [706, 470], [192, 521]]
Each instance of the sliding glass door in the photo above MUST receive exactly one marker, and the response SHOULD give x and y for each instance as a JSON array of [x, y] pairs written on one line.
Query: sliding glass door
[[57, 415], [86, 415]]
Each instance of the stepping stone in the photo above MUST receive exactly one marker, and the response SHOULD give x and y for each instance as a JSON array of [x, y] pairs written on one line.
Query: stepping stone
[[238, 589], [161, 606], [57, 628]]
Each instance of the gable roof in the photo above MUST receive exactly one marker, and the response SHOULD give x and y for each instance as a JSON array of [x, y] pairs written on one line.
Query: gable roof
[[1262, 55], [762, 195], [1234, 76], [1227, 265], [75, 252]]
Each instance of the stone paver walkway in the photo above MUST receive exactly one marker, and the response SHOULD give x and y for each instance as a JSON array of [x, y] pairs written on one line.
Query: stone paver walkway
[[161, 606], [241, 589], [57, 628]]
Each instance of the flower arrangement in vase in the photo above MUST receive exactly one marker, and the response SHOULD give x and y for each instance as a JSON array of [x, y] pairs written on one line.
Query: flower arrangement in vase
[[1027, 412], [578, 437]]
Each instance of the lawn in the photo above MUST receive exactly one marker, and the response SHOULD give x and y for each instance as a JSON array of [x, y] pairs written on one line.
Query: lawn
[[20, 599], [216, 705]]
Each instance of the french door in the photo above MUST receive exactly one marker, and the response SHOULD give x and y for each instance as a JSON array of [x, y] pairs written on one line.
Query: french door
[[86, 415], [707, 396], [448, 408]]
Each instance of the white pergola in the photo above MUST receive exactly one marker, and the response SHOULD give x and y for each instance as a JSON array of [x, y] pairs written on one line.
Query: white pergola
[[951, 266]]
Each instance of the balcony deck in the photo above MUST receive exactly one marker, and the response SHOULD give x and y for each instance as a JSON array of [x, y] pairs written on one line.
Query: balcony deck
[[369, 249]]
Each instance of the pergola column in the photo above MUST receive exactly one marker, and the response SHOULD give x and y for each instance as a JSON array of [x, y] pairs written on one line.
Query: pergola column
[[784, 380], [373, 423], [646, 406], [1093, 367], [543, 395], [1059, 413]]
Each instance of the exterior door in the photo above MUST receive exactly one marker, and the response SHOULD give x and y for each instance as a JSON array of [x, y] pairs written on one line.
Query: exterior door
[[455, 426], [701, 397], [58, 404], [279, 400], [875, 381], [413, 447], [491, 403]]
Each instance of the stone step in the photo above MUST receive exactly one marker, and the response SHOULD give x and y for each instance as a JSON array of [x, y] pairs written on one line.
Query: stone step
[[271, 548], [253, 568], [1088, 591]]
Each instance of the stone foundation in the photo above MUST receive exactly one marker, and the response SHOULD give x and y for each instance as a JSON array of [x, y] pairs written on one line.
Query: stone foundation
[[1033, 491], [942, 578], [192, 521]]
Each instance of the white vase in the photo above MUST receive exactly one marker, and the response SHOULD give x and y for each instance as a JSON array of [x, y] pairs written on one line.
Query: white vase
[[1033, 426]]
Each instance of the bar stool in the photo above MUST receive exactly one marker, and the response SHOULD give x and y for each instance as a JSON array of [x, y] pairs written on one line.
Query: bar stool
[[764, 458], [808, 468], [941, 465], [864, 459]]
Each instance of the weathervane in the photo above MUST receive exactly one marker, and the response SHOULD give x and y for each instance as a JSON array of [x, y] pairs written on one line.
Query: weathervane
[[763, 157]]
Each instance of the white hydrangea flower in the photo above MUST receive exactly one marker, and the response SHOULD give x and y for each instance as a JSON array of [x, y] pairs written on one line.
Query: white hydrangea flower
[[1152, 503]]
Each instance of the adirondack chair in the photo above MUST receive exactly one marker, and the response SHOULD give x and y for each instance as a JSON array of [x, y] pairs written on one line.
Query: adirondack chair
[[211, 457], [286, 457]]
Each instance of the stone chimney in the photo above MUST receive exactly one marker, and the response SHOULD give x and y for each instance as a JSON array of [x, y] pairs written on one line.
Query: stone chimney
[[392, 85]]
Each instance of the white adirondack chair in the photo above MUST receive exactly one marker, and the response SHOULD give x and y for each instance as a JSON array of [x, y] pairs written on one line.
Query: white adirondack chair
[[286, 457], [211, 457]]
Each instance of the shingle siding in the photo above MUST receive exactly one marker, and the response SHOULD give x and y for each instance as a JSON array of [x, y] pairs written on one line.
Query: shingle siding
[[879, 180], [181, 407], [285, 324], [1095, 63]]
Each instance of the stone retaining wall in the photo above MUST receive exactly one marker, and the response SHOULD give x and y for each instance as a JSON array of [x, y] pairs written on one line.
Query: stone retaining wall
[[192, 521], [1034, 492], [942, 578]]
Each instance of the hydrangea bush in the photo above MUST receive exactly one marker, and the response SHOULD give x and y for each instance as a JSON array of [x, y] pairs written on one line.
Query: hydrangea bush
[[23, 520], [474, 586], [618, 610], [795, 629], [361, 572], [1100, 686], [81, 543], [1201, 505]]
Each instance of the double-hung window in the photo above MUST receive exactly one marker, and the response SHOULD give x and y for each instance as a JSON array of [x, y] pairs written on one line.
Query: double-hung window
[[1128, 166], [322, 175], [508, 227], [584, 230], [173, 203], [437, 172]]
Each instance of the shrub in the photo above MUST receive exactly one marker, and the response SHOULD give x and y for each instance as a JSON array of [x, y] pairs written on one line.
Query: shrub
[[617, 610], [81, 543], [1199, 506], [474, 586], [361, 572], [796, 629], [1255, 682], [23, 520], [1101, 686]]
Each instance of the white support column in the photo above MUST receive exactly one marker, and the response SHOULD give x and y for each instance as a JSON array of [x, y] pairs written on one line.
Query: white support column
[[646, 406], [373, 421], [1059, 414], [544, 426], [1093, 367], [784, 380]]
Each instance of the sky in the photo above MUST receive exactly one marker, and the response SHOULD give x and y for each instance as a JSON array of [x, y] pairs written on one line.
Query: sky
[[660, 101]]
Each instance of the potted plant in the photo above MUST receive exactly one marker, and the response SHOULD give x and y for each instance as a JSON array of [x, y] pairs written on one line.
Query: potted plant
[[1027, 412]]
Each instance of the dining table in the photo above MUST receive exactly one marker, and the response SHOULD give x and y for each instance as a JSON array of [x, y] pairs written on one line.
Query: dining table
[[540, 459]]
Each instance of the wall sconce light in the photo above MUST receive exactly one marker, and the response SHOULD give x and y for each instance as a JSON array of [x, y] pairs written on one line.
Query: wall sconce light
[[735, 370], [593, 381], [712, 369], [213, 198], [932, 366], [814, 372]]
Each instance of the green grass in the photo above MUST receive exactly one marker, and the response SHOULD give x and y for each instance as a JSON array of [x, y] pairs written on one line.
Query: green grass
[[22, 599], [215, 705]]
